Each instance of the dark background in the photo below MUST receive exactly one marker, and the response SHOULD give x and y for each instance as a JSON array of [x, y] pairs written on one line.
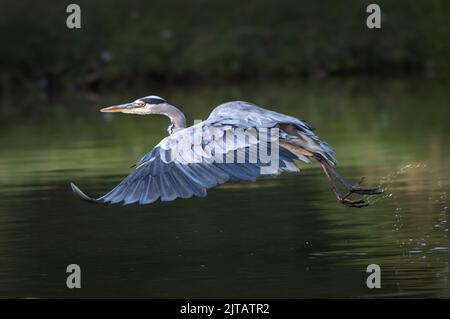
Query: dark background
[[125, 43]]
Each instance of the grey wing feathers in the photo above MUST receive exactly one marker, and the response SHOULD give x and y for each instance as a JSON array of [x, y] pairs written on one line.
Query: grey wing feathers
[[172, 180]]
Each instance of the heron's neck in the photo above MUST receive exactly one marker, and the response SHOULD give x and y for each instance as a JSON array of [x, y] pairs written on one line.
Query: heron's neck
[[177, 118]]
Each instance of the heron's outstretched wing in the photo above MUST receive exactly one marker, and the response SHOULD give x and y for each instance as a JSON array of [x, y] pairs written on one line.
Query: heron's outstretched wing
[[165, 173]]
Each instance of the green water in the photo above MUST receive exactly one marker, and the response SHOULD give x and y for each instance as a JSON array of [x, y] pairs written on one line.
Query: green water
[[283, 237]]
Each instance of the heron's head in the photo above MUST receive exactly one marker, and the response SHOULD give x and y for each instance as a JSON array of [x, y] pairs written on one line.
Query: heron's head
[[152, 104], [145, 105]]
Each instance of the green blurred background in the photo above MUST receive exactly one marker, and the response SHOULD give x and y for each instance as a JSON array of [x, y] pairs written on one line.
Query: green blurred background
[[123, 43]]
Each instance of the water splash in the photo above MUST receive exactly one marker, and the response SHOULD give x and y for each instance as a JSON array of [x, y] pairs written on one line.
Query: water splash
[[386, 182]]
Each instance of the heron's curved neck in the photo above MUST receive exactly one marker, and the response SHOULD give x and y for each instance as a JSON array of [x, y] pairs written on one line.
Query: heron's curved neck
[[177, 118]]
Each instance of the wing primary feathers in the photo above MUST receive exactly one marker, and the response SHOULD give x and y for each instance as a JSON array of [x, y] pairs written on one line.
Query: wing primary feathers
[[78, 192], [152, 192]]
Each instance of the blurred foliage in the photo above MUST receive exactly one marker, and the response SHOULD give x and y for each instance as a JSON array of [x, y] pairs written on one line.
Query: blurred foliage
[[124, 42]]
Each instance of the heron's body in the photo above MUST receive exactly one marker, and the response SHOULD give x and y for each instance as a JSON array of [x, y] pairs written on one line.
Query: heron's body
[[183, 165], [294, 132]]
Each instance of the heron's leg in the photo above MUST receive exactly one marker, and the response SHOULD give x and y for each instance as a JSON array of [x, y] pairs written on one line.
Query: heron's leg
[[356, 188], [343, 199], [334, 176], [352, 189]]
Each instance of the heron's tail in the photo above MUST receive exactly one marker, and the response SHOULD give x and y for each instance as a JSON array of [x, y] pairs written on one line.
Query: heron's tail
[[78, 192]]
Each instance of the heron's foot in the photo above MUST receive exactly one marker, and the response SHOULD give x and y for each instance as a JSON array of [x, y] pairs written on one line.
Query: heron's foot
[[353, 203], [357, 189]]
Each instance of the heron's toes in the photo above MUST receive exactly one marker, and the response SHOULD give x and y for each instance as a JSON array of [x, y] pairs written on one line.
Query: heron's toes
[[357, 189], [354, 203], [366, 191]]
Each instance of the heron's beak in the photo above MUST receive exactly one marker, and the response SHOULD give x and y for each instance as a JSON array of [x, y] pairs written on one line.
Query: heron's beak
[[117, 108]]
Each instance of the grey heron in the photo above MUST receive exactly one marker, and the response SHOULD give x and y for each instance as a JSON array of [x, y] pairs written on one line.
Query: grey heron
[[165, 172]]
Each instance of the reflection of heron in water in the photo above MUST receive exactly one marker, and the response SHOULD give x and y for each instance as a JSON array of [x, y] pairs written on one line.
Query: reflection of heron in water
[[157, 177]]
